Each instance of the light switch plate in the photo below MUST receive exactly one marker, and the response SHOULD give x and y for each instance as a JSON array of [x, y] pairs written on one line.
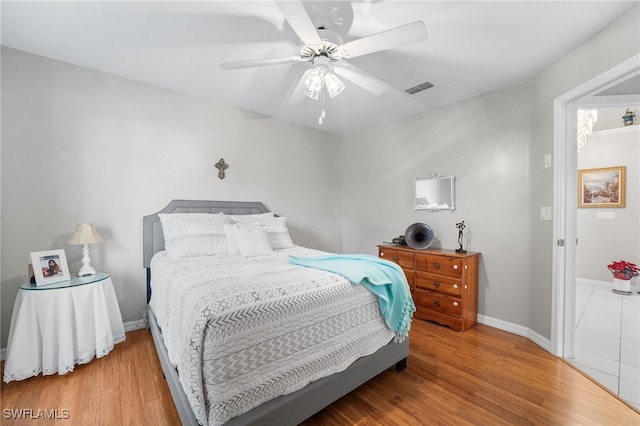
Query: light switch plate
[[547, 161], [545, 213]]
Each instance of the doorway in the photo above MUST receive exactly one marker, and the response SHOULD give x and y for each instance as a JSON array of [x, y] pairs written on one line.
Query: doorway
[[565, 195]]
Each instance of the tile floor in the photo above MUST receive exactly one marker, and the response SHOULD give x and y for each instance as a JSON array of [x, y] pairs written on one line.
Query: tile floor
[[607, 340]]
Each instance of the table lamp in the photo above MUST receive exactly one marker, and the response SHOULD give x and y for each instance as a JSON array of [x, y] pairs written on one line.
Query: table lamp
[[85, 234]]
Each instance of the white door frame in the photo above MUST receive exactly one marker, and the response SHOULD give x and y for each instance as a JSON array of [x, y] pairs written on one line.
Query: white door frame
[[565, 195]]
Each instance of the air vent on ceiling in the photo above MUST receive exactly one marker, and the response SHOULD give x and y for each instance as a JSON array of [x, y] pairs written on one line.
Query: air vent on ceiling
[[419, 88]]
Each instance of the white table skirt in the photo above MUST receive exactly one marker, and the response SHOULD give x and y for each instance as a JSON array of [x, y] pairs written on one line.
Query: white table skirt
[[53, 330]]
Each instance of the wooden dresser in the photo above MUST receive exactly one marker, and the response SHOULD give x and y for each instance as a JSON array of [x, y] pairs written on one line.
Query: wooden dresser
[[444, 284]]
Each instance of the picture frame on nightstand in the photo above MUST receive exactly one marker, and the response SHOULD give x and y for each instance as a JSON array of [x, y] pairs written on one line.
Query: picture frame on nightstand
[[31, 278], [49, 267]]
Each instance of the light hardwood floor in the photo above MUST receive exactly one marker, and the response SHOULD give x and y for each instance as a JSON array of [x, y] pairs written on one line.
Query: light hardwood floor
[[483, 376]]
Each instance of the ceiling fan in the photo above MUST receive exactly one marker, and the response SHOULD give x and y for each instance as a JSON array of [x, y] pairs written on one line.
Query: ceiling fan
[[325, 49]]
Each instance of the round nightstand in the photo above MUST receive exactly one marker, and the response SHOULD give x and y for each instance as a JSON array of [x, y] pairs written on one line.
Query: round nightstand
[[56, 326]]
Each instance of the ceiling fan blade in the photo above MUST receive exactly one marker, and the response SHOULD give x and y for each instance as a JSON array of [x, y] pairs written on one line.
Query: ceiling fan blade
[[361, 78], [398, 36], [295, 13], [260, 62]]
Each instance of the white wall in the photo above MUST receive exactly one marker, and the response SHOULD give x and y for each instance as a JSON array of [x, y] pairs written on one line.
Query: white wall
[[83, 146], [484, 143], [603, 241]]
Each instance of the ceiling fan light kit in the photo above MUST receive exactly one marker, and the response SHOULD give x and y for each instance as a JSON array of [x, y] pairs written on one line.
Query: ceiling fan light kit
[[313, 83], [320, 77], [333, 84]]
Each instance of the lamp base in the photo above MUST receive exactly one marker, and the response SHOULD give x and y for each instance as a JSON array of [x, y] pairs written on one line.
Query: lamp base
[[86, 270]]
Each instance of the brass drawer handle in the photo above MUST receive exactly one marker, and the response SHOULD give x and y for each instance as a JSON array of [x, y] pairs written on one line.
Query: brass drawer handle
[[436, 284], [395, 259], [455, 303], [436, 265], [455, 286], [436, 302]]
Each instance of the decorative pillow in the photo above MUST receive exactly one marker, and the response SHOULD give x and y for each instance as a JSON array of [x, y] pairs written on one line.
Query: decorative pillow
[[277, 232], [251, 240], [194, 234], [250, 218], [232, 239]]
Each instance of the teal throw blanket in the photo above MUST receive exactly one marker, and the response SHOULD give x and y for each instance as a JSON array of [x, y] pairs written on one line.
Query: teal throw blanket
[[383, 278]]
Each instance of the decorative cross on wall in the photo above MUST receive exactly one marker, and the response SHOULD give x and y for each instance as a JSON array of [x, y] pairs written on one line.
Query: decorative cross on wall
[[221, 166]]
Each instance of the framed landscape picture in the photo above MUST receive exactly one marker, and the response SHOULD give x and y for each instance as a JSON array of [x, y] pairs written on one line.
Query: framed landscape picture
[[49, 267], [602, 188]]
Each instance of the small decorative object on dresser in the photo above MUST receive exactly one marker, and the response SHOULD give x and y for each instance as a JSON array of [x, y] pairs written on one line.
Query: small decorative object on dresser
[[444, 283], [419, 236], [460, 226]]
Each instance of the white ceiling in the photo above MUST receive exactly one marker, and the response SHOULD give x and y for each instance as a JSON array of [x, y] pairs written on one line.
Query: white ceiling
[[472, 48]]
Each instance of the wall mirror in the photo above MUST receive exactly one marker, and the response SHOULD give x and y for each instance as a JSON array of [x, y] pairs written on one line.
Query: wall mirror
[[435, 193]]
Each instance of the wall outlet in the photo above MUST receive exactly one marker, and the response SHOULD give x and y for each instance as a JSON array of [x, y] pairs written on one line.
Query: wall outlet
[[606, 215], [547, 161]]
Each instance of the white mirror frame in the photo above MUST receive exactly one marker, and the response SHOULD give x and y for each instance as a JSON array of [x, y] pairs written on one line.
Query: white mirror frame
[[435, 194]]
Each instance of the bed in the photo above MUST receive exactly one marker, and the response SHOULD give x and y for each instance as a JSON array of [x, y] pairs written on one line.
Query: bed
[[291, 408]]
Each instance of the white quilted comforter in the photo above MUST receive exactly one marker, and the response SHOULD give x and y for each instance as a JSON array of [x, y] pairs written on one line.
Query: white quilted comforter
[[242, 331]]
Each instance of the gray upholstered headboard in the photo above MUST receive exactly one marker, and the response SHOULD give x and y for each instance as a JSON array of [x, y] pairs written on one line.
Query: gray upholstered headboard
[[153, 238]]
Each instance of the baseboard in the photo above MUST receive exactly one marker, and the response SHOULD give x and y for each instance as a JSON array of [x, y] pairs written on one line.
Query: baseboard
[[128, 326], [135, 325], [518, 330]]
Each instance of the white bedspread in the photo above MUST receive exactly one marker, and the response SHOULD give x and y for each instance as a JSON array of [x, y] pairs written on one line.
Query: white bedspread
[[242, 331]]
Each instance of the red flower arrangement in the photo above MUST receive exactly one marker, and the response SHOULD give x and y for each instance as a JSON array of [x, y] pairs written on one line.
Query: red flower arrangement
[[624, 270]]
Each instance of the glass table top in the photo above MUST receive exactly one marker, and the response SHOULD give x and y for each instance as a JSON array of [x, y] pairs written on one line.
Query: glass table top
[[73, 282]]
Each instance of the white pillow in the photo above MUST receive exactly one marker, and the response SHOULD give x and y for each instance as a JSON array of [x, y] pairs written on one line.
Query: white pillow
[[251, 240], [194, 234], [250, 218], [277, 232], [232, 239]]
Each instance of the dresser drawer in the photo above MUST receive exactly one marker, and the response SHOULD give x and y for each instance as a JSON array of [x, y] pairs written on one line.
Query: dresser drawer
[[451, 266], [438, 302], [438, 283], [403, 258]]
